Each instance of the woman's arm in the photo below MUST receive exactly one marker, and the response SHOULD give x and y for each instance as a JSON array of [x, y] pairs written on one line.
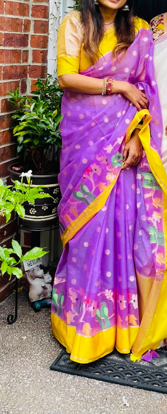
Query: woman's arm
[[93, 86]]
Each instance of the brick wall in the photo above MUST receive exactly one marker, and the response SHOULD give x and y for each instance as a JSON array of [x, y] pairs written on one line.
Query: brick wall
[[23, 58]]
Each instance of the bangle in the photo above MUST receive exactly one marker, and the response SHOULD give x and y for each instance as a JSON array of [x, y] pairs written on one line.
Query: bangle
[[104, 86], [109, 86]]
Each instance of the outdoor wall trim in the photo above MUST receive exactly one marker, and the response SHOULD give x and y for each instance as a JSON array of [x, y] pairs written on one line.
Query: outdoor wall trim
[[57, 11]]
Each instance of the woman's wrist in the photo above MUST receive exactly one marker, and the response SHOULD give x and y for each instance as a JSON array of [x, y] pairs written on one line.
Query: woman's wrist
[[107, 86], [119, 86]]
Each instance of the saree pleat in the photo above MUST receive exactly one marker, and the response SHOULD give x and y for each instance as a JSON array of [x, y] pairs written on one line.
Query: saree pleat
[[110, 277]]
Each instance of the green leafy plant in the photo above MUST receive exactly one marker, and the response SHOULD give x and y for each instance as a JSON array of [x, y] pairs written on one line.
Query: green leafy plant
[[50, 92], [36, 125], [11, 258], [12, 198]]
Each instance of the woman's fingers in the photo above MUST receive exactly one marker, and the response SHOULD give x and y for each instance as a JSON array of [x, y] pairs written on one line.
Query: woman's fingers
[[143, 104], [131, 158], [125, 154], [145, 100], [136, 96], [135, 161], [128, 160], [141, 99], [131, 162]]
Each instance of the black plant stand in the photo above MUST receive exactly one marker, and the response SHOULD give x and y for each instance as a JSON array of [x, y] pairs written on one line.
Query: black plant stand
[[12, 318]]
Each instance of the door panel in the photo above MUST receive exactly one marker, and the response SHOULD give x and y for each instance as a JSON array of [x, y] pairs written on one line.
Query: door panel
[[150, 8]]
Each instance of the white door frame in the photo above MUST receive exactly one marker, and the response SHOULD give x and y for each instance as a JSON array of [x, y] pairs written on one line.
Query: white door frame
[[57, 10]]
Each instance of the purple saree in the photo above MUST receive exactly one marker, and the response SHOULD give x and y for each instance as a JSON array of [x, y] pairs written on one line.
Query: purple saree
[[111, 220]]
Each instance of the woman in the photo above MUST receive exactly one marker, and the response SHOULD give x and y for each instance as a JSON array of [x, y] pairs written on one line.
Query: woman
[[108, 284], [159, 31]]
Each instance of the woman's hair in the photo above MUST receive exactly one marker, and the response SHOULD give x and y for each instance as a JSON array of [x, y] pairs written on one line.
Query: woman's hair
[[94, 28]]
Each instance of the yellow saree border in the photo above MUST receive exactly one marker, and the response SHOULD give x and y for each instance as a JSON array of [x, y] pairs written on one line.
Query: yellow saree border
[[153, 157], [153, 327], [94, 347]]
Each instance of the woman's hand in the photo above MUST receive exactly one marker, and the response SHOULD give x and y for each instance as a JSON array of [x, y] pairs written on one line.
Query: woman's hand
[[133, 94], [133, 151]]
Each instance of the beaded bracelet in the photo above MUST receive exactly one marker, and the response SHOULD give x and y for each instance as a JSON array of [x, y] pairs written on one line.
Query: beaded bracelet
[[109, 86], [104, 86]]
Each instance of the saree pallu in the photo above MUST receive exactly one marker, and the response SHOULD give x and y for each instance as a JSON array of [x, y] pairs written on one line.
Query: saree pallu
[[160, 59], [110, 283]]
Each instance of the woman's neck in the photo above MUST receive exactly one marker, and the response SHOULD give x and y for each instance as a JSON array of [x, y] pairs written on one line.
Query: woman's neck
[[108, 14]]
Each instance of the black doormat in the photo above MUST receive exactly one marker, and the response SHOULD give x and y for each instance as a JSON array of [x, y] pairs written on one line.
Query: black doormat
[[119, 369]]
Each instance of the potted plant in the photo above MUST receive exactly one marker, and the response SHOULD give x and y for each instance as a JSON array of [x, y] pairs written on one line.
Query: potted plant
[[12, 259], [12, 199], [36, 128]]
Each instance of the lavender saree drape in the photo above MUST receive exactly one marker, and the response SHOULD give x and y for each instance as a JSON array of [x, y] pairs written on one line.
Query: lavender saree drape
[[111, 220]]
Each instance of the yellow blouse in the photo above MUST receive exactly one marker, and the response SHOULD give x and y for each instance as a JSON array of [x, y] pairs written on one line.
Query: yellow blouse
[[71, 57]]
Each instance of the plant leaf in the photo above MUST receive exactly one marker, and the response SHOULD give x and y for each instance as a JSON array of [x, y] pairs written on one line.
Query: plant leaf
[[2, 254], [17, 272], [4, 267], [33, 254], [20, 210], [17, 248]]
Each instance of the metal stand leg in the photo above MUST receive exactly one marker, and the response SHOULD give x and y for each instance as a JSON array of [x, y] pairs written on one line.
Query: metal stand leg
[[12, 318]]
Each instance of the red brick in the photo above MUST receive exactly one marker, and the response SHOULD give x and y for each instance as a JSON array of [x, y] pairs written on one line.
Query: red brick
[[16, 40], [39, 41], [33, 87], [5, 122], [39, 56], [26, 25], [9, 24], [37, 71], [16, 9], [6, 137], [14, 72], [8, 86], [1, 71], [25, 56], [7, 153], [33, 82], [1, 39], [10, 56], [41, 26], [40, 11], [40, 1], [6, 106], [23, 86], [1, 6]]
